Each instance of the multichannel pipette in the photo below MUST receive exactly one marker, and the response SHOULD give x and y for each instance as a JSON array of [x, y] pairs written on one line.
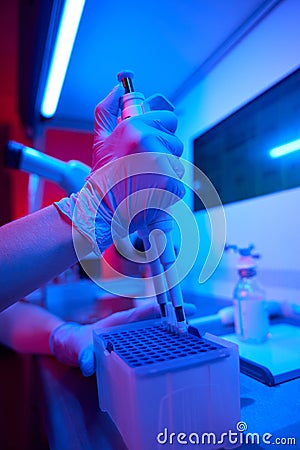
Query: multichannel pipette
[[165, 278]]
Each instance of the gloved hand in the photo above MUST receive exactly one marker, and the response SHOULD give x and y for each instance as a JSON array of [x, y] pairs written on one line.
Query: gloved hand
[[135, 174], [72, 344]]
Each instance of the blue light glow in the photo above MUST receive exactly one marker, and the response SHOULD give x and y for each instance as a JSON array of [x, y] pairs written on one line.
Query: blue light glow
[[285, 149], [66, 35]]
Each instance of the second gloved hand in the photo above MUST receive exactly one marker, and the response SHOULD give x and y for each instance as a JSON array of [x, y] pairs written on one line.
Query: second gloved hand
[[72, 343]]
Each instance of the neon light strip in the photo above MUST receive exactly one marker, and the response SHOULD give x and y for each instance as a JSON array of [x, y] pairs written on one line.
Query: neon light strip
[[66, 35], [285, 149]]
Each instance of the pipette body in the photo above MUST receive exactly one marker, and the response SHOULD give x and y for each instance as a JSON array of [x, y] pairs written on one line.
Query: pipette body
[[162, 264]]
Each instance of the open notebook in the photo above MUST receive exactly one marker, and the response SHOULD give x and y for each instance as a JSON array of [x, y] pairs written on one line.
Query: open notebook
[[274, 361]]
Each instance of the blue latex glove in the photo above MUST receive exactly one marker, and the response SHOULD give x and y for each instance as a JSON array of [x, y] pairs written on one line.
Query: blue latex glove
[[72, 344], [136, 171]]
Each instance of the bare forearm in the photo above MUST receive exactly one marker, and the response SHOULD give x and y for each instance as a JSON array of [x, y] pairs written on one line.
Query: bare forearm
[[33, 250], [26, 328]]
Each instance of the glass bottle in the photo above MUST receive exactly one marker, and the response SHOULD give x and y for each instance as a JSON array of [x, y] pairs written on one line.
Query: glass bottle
[[250, 309]]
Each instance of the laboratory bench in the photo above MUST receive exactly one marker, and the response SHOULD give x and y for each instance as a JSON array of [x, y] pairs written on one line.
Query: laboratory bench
[[74, 420], [59, 405], [73, 415]]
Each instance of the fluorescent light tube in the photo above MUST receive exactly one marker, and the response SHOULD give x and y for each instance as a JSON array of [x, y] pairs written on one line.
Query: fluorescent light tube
[[285, 149], [66, 35]]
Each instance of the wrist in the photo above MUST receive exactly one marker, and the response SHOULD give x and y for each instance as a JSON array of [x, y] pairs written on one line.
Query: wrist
[[66, 218], [59, 343], [65, 208]]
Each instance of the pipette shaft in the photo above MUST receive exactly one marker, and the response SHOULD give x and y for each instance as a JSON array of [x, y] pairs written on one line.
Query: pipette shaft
[[131, 105]]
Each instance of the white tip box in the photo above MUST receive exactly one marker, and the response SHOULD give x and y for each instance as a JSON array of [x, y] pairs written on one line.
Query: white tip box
[[168, 391]]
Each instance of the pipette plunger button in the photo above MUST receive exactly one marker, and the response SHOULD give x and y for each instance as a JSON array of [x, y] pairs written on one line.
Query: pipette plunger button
[[125, 77]]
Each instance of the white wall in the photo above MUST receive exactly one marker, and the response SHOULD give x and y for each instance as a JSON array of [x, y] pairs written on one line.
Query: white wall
[[272, 223]]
